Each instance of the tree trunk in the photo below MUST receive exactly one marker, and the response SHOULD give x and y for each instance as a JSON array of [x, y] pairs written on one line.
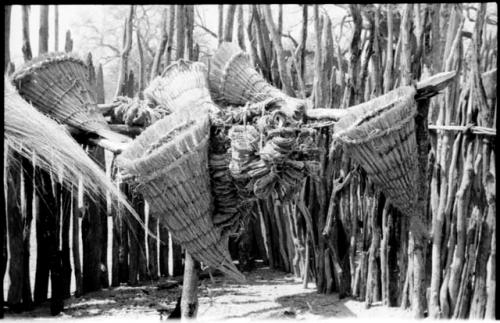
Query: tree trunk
[[303, 40], [43, 33], [127, 46], [170, 36], [142, 67], [189, 15], [26, 34], [355, 52], [228, 27], [241, 28], [283, 71], [155, 68]]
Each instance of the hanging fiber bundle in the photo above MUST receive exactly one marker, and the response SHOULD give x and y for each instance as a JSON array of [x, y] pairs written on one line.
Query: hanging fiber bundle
[[57, 84], [233, 80], [382, 140]]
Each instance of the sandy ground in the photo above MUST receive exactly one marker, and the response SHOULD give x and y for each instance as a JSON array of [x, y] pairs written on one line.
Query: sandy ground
[[268, 295]]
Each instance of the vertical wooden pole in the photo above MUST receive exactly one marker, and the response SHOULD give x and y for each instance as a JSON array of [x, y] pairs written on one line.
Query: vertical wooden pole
[[163, 233], [189, 300], [43, 32], [56, 27], [229, 23], [77, 214], [189, 16], [26, 34], [6, 44], [180, 30], [152, 248], [15, 237], [27, 206], [220, 23]]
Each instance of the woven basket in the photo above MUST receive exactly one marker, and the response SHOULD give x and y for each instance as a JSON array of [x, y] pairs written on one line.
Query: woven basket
[[57, 84], [383, 142], [233, 80], [183, 83], [174, 178]]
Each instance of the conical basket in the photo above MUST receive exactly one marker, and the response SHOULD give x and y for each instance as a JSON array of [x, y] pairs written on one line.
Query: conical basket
[[383, 142], [183, 83], [57, 84], [170, 162], [233, 80]]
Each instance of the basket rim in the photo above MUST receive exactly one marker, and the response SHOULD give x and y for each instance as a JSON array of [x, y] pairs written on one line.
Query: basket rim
[[392, 106], [44, 60]]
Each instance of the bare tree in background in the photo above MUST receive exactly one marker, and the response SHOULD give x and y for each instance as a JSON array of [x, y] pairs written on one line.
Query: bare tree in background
[[127, 46]]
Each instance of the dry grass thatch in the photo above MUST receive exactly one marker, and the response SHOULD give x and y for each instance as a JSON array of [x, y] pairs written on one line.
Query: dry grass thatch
[[28, 132]]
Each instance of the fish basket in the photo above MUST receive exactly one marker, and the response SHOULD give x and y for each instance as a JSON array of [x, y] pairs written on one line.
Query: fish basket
[[182, 83], [233, 80], [58, 85], [382, 140], [169, 163]]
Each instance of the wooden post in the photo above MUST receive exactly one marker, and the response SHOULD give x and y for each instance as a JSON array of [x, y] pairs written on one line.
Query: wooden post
[[26, 34], [56, 27], [189, 16], [92, 233], [283, 71], [15, 237], [241, 28], [163, 234], [189, 300], [135, 239], [6, 44], [164, 38], [127, 46], [65, 248], [68, 43], [229, 23], [179, 36], [220, 23], [77, 214], [27, 210], [171, 28], [43, 32], [152, 248]]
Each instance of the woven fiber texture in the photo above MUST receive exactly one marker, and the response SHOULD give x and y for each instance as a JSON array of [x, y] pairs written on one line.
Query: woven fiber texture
[[169, 162], [382, 140], [183, 83], [233, 80], [57, 84]]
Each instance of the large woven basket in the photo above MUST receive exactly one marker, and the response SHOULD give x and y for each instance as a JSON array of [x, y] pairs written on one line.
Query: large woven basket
[[174, 179], [57, 84], [382, 140], [233, 80], [170, 162], [183, 83]]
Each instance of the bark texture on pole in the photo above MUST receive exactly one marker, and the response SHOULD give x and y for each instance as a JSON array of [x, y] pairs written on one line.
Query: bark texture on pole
[[229, 23], [127, 46], [56, 28], [179, 31], [189, 300], [155, 68], [26, 34], [43, 32], [6, 44], [283, 71]]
